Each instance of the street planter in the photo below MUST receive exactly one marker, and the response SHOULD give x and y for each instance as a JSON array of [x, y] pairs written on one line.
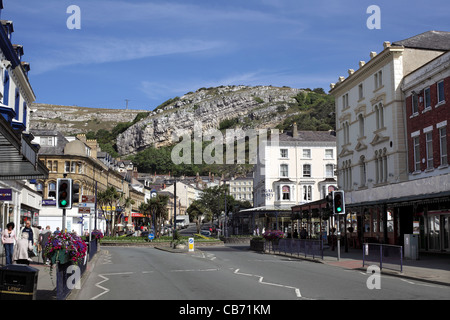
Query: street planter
[[257, 244]]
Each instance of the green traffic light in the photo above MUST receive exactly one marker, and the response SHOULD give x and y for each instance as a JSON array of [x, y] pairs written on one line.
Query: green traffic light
[[339, 209], [63, 202]]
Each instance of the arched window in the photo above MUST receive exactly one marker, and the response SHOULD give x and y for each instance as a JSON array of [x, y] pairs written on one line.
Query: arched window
[[286, 192], [361, 125]]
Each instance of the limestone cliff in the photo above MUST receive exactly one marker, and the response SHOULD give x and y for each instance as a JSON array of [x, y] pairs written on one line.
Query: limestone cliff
[[248, 107]]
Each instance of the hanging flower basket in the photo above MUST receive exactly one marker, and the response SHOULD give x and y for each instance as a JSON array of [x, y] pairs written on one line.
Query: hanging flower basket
[[65, 247], [59, 256], [273, 235]]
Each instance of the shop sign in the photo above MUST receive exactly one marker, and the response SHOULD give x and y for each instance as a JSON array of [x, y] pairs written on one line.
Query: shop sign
[[48, 202], [5, 194]]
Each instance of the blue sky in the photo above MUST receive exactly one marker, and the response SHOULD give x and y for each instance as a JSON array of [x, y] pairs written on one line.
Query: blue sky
[[148, 51]]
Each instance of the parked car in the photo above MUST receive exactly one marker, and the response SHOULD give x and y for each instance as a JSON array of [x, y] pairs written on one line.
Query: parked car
[[205, 233]]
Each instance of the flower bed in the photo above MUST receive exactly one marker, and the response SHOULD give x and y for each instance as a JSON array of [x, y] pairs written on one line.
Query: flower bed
[[273, 235]]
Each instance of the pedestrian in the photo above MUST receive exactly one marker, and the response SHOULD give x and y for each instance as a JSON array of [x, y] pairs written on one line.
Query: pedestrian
[[28, 230], [20, 255], [8, 239], [57, 231], [43, 239], [303, 234]]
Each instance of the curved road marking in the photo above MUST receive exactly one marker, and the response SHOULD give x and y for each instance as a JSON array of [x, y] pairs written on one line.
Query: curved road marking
[[297, 290]]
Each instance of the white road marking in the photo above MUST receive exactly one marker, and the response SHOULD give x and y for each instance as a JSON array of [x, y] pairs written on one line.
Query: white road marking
[[297, 290], [106, 290]]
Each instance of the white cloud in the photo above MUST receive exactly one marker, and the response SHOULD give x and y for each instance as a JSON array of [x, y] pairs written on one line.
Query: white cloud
[[92, 50]]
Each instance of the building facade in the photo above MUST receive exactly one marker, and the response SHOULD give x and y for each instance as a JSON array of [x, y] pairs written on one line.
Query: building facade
[[297, 169], [372, 144], [19, 164], [427, 105]]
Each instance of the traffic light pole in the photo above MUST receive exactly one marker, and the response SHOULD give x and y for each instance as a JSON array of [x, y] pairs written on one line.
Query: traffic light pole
[[63, 220], [338, 239]]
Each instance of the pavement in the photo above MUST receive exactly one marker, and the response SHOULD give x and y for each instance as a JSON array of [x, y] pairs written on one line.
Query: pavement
[[430, 267]]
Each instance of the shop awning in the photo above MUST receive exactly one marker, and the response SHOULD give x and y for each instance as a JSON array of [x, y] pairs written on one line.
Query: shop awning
[[136, 215], [18, 157]]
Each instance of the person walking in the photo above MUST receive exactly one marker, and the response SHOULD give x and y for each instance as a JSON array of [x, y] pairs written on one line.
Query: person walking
[[28, 230], [20, 255], [8, 239], [43, 239]]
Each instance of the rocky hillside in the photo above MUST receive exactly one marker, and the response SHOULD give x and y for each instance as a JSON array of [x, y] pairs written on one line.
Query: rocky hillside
[[243, 106], [72, 119]]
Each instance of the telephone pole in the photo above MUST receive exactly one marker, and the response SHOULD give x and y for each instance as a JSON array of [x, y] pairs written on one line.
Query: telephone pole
[[126, 100]]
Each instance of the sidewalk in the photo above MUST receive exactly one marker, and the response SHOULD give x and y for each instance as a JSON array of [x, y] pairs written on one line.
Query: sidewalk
[[431, 267]]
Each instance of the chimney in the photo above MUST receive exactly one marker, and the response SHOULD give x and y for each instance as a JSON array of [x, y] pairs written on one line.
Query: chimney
[[294, 130]]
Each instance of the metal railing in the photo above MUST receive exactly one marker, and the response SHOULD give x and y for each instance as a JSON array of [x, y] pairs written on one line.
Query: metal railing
[[386, 255], [297, 247]]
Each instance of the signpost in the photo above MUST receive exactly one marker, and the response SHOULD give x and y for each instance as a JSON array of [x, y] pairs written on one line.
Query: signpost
[[191, 244], [151, 236]]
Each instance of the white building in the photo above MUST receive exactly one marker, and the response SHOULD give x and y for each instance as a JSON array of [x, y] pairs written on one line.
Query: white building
[[242, 188], [371, 134], [297, 169]]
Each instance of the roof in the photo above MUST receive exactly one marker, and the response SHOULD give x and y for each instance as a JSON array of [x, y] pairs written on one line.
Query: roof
[[431, 40], [51, 150], [309, 136]]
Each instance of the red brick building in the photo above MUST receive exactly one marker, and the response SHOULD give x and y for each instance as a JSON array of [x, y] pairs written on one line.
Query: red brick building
[[427, 105]]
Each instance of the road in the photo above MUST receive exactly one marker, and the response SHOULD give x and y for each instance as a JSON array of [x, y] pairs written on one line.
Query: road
[[235, 273]]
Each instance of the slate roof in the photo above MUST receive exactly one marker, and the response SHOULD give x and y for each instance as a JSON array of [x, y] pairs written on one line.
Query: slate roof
[[51, 150], [431, 40], [309, 136]]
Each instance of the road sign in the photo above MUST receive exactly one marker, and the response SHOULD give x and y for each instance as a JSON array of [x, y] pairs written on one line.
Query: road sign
[[85, 210], [86, 205], [88, 198], [151, 236], [191, 244]]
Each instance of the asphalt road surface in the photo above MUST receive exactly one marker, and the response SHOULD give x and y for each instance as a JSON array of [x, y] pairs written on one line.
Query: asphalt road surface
[[236, 273]]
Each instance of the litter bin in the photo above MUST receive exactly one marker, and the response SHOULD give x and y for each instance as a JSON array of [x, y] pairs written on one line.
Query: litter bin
[[411, 246], [18, 282]]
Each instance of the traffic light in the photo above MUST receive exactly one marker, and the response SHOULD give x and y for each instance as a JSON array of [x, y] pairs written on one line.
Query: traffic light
[[329, 199], [338, 202], [75, 193], [64, 194]]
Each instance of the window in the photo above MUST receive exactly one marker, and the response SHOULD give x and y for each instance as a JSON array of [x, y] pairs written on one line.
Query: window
[[415, 104], [416, 143], [378, 79], [307, 170], [17, 103], [52, 190], [440, 91], [284, 170], [346, 132], [363, 171], [73, 166], [307, 153], [6, 88], [328, 153], [307, 193], [361, 91], [46, 141], [443, 145], [286, 192], [345, 101], [329, 168], [283, 153], [67, 166], [427, 98], [361, 125], [429, 147], [80, 167], [379, 112]]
